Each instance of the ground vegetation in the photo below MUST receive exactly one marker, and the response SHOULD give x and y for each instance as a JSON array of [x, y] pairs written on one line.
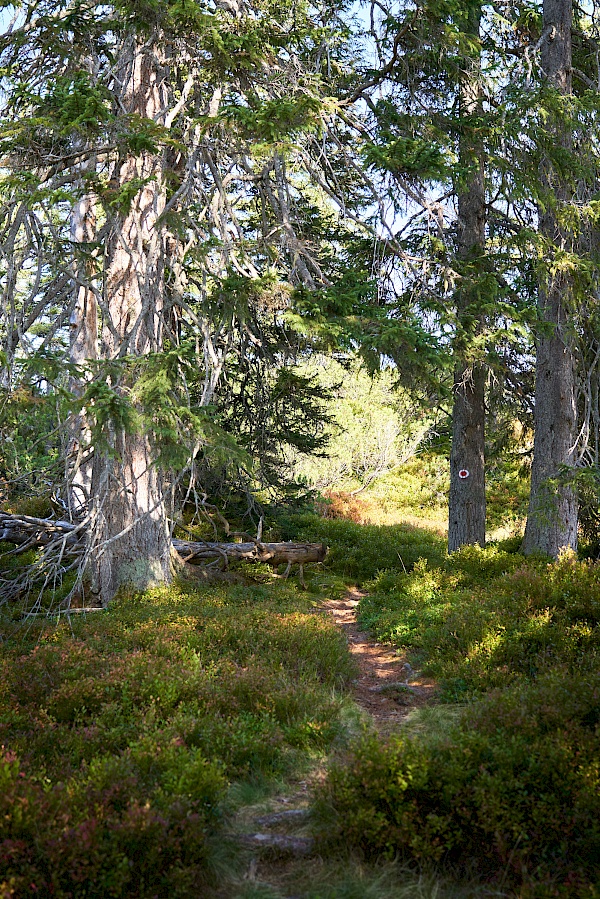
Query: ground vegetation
[[309, 285]]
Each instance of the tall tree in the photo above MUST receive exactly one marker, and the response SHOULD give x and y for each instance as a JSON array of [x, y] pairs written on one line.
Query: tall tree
[[552, 518], [192, 129], [466, 519], [131, 539], [439, 152]]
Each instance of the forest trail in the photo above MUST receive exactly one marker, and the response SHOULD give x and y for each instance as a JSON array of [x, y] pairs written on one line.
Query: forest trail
[[284, 856], [387, 688]]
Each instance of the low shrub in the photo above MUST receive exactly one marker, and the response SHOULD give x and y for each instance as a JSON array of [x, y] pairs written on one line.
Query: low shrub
[[515, 787], [419, 487], [122, 832], [129, 726], [488, 617], [337, 504], [357, 552]]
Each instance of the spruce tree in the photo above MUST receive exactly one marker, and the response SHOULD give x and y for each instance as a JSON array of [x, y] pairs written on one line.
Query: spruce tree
[[552, 519], [466, 507], [185, 132]]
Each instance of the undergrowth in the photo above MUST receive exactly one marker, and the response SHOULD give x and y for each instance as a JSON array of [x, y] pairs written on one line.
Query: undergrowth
[[487, 618], [514, 790], [123, 733], [511, 787], [126, 728], [357, 552]]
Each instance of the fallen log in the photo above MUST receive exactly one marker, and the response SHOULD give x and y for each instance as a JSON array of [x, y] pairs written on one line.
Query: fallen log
[[272, 553], [26, 531]]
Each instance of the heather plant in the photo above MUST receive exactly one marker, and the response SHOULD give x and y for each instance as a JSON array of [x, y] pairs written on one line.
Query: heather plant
[[488, 617], [512, 790], [115, 831], [126, 727]]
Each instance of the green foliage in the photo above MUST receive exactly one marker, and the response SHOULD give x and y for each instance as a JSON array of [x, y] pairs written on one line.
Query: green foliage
[[339, 305], [120, 199], [76, 105], [143, 135], [108, 404], [374, 428], [507, 483], [116, 834], [514, 788], [416, 489], [406, 156], [25, 415], [488, 617], [358, 552], [344, 315], [511, 785], [283, 414], [128, 726], [149, 394], [585, 482], [176, 424], [405, 145], [506, 787], [276, 120]]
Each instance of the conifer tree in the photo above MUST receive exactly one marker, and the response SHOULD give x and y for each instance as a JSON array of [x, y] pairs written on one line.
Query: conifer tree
[[131, 539], [552, 519], [439, 155], [189, 129], [466, 512]]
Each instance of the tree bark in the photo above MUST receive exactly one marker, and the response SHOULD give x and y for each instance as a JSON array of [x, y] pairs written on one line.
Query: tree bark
[[83, 348], [23, 530], [552, 518], [466, 519], [130, 540], [466, 506]]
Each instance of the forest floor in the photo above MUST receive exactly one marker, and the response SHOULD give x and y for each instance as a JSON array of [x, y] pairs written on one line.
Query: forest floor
[[286, 858], [387, 687], [224, 740]]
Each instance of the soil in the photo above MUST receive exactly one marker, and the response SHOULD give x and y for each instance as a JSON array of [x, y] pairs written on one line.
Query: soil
[[387, 688]]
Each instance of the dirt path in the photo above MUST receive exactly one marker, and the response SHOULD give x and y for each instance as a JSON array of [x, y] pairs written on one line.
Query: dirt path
[[387, 687]]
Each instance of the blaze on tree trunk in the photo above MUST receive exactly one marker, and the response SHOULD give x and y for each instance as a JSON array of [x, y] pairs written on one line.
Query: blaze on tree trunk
[[466, 518], [552, 518], [130, 536]]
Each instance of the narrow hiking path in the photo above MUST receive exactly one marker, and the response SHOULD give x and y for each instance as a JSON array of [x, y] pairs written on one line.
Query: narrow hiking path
[[277, 833], [387, 688]]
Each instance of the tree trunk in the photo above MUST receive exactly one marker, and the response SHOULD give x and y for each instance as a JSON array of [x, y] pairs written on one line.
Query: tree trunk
[[83, 348], [467, 459], [552, 518], [466, 507], [130, 536], [272, 553], [24, 530]]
